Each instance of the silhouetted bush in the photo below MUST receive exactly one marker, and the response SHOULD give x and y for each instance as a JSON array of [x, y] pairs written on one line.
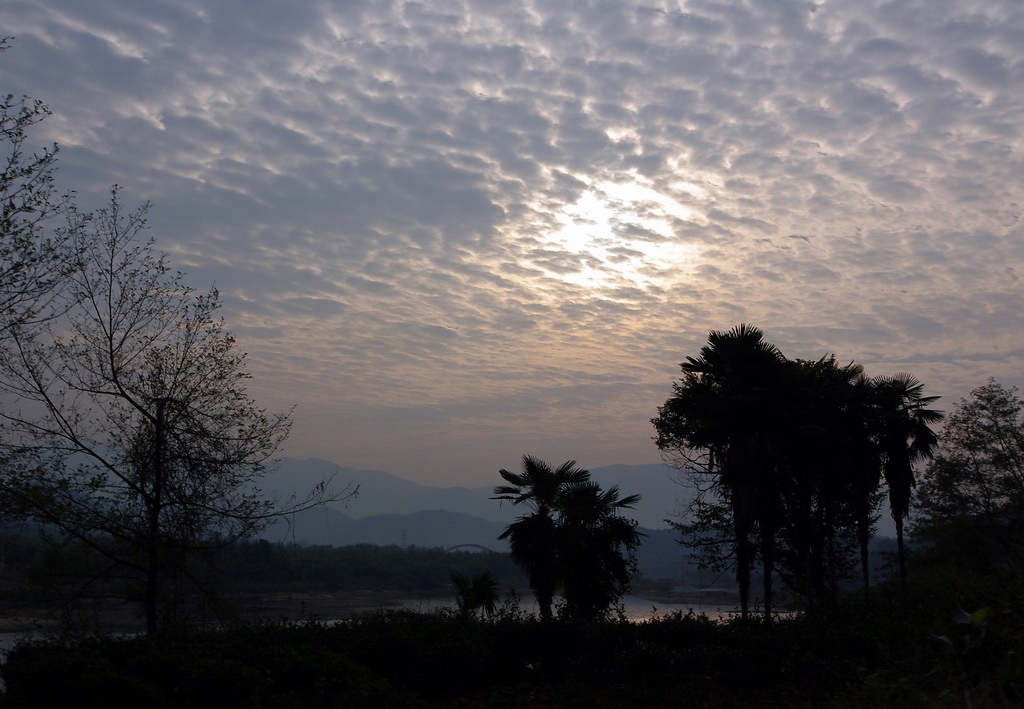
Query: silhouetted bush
[[865, 651]]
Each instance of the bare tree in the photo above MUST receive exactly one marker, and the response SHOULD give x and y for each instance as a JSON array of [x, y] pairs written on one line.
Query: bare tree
[[131, 398], [32, 258]]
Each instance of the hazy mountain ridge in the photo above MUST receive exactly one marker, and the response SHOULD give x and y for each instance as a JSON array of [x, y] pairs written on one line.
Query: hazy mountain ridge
[[383, 493], [424, 528], [392, 510]]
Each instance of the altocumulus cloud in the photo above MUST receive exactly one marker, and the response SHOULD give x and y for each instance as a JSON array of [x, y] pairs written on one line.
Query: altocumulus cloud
[[456, 231]]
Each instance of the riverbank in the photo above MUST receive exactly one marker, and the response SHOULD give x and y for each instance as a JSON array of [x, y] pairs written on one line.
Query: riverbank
[[118, 617], [867, 652]]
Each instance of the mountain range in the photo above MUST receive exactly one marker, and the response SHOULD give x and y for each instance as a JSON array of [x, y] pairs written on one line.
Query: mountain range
[[382, 493], [391, 510]]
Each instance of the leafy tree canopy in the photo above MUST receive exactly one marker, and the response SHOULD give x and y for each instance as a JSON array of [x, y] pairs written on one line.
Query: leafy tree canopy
[[971, 498]]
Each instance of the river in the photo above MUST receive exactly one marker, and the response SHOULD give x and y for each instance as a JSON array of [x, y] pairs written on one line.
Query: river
[[635, 608]]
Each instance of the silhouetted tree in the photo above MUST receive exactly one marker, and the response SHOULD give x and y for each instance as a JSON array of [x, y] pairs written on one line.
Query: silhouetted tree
[[862, 465], [904, 437], [722, 419], [132, 393], [532, 538], [476, 593], [32, 257], [817, 476], [791, 455], [574, 536], [971, 497], [597, 545]]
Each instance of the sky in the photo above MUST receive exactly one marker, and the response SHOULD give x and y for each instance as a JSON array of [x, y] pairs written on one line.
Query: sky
[[453, 232]]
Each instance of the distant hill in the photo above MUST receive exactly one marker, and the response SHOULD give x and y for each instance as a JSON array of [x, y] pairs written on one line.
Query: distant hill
[[392, 510], [660, 555], [424, 528], [382, 493], [657, 484]]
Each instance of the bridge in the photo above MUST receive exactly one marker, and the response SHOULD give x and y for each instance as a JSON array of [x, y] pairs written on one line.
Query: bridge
[[478, 547]]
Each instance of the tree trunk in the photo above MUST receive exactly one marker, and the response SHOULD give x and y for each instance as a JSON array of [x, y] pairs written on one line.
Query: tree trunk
[[545, 598], [768, 555], [152, 586], [744, 561], [862, 538], [743, 578], [153, 509], [903, 559]]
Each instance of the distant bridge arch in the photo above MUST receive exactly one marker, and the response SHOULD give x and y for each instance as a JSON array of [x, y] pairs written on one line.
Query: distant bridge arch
[[480, 547]]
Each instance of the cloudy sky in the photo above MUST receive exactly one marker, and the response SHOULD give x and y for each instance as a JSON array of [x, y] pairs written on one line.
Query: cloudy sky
[[452, 232]]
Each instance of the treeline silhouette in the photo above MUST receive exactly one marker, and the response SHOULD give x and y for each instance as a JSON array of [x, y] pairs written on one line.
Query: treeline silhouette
[[789, 458], [263, 566], [36, 575]]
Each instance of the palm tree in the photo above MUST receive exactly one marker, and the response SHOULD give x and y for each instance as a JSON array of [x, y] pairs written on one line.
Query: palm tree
[[863, 468], [828, 497], [479, 592], [904, 437], [728, 404], [597, 545], [533, 537]]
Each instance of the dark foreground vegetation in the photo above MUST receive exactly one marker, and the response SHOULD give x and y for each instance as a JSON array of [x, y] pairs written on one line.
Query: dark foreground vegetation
[[866, 653]]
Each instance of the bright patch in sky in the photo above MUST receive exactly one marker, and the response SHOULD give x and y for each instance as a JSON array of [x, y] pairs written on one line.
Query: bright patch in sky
[[624, 234]]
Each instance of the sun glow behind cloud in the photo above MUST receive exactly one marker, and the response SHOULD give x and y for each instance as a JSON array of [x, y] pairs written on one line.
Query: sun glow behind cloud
[[623, 233]]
